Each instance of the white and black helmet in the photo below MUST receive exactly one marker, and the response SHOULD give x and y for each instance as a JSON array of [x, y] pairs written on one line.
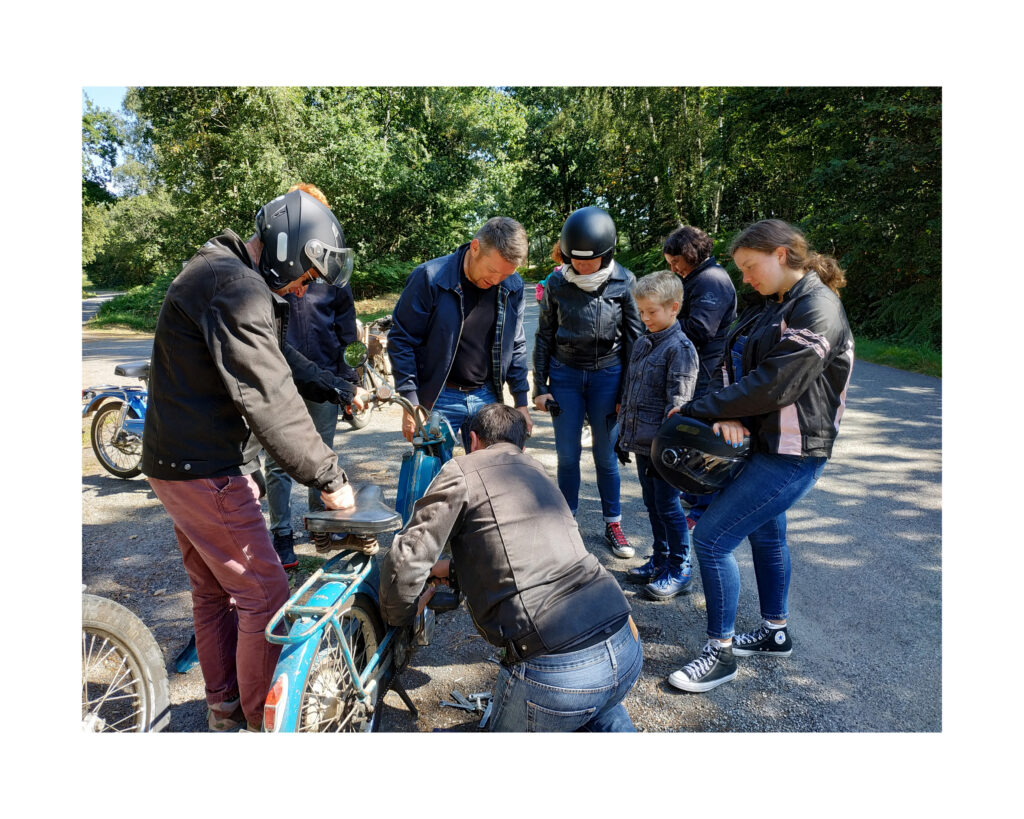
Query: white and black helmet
[[299, 233], [588, 233], [688, 455]]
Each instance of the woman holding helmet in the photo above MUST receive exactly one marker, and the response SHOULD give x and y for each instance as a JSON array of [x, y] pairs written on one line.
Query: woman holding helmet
[[588, 323], [783, 383]]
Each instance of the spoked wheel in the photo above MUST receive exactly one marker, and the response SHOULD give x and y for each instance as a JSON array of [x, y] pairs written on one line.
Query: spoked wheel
[[119, 451], [124, 681], [329, 701]]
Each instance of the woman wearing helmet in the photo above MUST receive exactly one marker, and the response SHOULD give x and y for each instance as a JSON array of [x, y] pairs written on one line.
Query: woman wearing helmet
[[783, 382], [588, 323]]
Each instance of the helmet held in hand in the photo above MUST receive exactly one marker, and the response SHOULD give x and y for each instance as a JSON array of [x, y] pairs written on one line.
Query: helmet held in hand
[[688, 455]]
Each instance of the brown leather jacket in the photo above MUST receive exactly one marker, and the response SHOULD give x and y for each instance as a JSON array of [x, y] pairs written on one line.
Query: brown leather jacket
[[522, 565]]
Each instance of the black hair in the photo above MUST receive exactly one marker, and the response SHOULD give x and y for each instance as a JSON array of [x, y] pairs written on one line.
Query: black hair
[[496, 423]]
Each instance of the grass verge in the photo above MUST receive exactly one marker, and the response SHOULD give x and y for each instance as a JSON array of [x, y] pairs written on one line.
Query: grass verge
[[916, 359]]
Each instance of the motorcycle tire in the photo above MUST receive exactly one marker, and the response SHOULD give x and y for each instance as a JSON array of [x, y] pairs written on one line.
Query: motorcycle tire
[[329, 703], [122, 460], [124, 680]]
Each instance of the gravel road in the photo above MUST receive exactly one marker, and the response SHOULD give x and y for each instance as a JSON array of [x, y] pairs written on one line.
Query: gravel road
[[867, 576]]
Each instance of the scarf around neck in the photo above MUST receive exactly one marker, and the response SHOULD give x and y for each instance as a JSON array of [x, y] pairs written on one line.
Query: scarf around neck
[[591, 282]]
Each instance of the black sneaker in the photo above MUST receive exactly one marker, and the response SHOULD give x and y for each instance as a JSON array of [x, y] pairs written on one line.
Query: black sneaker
[[768, 639], [647, 572], [284, 545], [714, 666]]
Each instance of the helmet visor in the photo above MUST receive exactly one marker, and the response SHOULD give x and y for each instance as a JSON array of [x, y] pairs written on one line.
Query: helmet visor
[[333, 264]]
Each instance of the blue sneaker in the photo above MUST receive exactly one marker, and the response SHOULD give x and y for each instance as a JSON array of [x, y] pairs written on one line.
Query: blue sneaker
[[645, 573], [669, 583]]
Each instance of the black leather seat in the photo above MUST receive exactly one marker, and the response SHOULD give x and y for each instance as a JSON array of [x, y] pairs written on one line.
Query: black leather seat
[[133, 369], [369, 516]]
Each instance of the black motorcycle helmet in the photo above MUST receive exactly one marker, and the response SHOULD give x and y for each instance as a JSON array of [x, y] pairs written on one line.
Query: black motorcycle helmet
[[587, 234], [299, 233], [689, 456]]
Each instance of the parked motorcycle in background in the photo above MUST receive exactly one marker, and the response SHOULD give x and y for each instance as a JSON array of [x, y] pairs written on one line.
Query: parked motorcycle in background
[[116, 431], [375, 337]]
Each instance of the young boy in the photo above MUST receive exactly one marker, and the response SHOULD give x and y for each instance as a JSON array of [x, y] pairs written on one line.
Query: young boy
[[662, 375]]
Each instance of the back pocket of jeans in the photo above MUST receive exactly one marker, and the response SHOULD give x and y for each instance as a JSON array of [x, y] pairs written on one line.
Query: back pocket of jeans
[[543, 720]]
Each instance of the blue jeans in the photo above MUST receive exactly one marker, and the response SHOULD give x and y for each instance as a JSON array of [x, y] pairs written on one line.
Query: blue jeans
[[590, 393], [668, 521], [460, 407], [279, 482], [575, 691], [753, 506]]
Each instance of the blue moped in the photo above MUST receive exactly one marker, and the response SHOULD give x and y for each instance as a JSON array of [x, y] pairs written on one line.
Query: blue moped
[[338, 659], [116, 432]]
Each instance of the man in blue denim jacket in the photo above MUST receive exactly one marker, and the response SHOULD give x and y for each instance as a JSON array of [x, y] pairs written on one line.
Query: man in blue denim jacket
[[458, 336]]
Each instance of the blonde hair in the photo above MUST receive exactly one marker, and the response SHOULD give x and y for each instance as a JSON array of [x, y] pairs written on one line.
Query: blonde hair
[[767, 235], [663, 287], [312, 190]]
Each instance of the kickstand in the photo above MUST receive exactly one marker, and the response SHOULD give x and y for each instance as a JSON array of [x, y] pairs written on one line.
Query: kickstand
[[399, 689]]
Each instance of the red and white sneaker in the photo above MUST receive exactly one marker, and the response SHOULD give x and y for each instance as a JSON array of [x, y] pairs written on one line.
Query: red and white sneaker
[[617, 541]]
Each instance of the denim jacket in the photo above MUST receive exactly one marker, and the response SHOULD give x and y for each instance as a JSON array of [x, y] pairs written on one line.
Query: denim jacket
[[662, 374], [427, 326]]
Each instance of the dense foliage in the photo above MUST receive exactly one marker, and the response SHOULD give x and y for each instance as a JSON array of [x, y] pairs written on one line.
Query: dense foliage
[[411, 172]]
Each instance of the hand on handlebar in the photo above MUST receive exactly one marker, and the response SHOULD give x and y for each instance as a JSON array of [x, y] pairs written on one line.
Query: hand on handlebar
[[408, 426], [340, 499], [360, 399]]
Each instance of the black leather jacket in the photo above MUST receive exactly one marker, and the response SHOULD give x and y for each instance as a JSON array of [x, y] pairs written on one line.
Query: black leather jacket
[[222, 384], [790, 386], [588, 331]]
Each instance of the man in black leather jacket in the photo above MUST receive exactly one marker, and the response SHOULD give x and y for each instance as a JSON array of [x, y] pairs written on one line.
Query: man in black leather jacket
[[223, 385], [572, 652]]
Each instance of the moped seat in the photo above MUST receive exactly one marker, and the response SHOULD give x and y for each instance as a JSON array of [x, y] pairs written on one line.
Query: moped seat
[[133, 369], [369, 516]]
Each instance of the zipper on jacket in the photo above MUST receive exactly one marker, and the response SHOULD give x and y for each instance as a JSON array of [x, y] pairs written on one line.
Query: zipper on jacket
[[462, 323]]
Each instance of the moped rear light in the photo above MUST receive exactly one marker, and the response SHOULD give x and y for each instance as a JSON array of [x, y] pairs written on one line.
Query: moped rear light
[[277, 695]]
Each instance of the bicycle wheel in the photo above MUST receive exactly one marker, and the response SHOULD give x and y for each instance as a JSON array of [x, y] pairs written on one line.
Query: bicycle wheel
[[361, 419], [124, 681], [329, 701], [118, 451]]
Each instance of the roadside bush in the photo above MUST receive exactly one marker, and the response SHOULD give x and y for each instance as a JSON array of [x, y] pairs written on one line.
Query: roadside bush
[[384, 275]]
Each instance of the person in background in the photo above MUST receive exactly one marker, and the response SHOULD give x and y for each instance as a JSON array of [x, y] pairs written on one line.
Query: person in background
[[660, 379], [709, 307], [709, 303], [320, 324], [787, 393], [556, 257], [457, 335], [586, 330]]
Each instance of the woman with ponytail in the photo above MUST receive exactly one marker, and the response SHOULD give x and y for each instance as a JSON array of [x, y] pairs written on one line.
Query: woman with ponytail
[[783, 383]]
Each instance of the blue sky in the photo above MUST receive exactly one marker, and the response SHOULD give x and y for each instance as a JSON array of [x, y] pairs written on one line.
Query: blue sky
[[105, 96]]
